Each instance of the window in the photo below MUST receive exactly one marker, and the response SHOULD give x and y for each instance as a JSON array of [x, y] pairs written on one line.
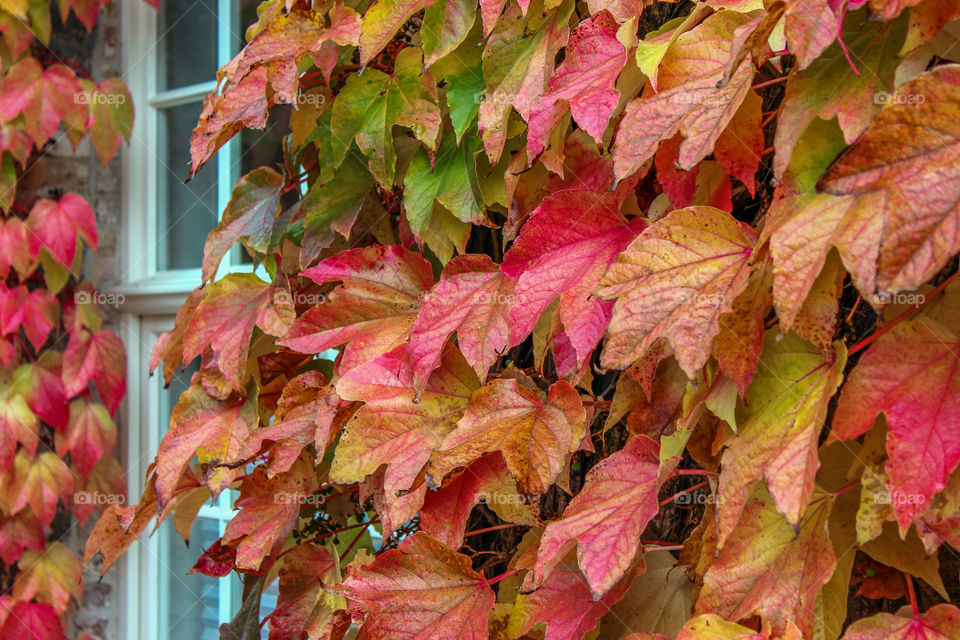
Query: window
[[171, 57]]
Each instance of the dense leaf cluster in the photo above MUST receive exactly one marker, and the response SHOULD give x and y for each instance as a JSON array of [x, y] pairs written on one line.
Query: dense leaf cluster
[[613, 319]]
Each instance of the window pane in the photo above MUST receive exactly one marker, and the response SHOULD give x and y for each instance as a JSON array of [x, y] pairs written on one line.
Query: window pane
[[191, 602], [186, 43], [246, 16], [186, 213], [169, 396], [264, 149]]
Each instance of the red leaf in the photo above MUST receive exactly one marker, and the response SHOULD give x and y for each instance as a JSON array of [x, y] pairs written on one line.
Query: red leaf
[[565, 603], [564, 250], [675, 281], [90, 434], [445, 511], [216, 562], [303, 608], [391, 429], [300, 421], [86, 11], [249, 216], [739, 147], [19, 532], [268, 510], [680, 186], [98, 357], [55, 224], [14, 250], [420, 590], [44, 97], [373, 308], [41, 386], [690, 101], [39, 482], [606, 518], [242, 106], [473, 299], [535, 436], [811, 26], [225, 318], [211, 429], [585, 81], [939, 623], [909, 374], [36, 311], [902, 157], [31, 621]]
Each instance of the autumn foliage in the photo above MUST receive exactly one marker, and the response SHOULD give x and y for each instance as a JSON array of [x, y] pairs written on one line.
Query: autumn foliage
[[61, 372], [611, 319]]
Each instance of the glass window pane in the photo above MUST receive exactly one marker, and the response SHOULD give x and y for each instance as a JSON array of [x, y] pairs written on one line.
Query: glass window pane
[[245, 15], [169, 396], [186, 43], [190, 607], [264, 149], [186, 213]]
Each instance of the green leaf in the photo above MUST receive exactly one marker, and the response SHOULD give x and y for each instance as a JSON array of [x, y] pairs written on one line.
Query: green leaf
[[452, 182], [445, 26], [336, 203], [372, 103], [249, 216]]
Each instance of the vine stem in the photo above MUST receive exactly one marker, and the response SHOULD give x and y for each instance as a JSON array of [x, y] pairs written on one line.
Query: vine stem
[[767, 83], [356, 539], [672, 547], [496, 579], [854, 309], [297, 182], [327, 534], [597, 403], [842, 490], [684, 492], [913, 595], [498, 527], [693, 472], [866, 342]]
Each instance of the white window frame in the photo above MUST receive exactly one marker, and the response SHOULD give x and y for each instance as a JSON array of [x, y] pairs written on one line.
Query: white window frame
[[143, 572], [147, 289], [151, 297]]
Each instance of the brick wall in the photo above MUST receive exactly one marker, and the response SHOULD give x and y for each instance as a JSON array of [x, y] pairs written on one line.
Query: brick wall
[[63, 168]]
